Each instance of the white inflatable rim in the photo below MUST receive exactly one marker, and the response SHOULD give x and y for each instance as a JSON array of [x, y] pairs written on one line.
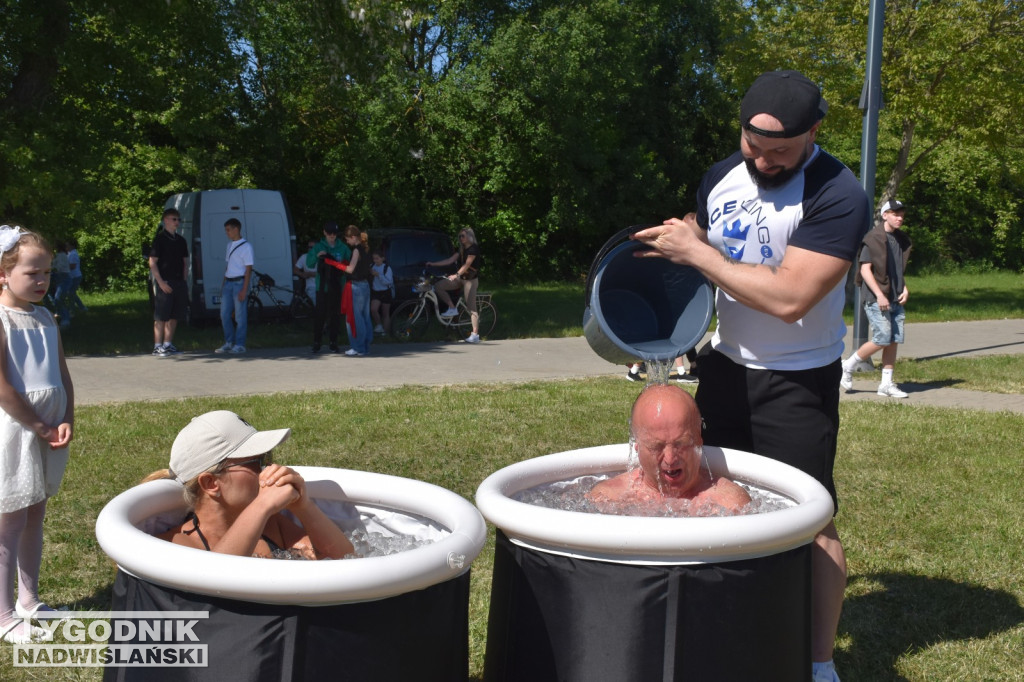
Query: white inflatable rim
[[654, 540], [298, 582]]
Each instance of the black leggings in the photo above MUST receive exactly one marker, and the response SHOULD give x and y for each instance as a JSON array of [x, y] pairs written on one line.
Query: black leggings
[[328, 310]]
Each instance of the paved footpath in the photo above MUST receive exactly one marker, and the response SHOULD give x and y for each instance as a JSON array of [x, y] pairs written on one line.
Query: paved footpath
[[129, 378]]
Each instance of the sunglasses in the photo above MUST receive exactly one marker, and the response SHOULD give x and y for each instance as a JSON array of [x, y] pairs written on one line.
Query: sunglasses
[[253, 464]]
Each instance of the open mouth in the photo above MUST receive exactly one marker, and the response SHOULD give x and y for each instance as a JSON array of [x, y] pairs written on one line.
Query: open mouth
[[672, 475]]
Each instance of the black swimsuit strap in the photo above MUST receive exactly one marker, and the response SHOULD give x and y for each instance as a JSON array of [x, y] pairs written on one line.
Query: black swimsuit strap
[[202, 538], [195, 529], [270, 543]]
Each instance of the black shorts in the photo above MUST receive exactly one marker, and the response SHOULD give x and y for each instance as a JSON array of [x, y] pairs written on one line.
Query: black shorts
[[789, 416], [382, 296], [170, 306]]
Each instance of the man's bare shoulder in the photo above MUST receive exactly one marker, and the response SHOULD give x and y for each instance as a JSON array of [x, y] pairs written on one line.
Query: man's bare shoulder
[[725, 493], [614, 488]]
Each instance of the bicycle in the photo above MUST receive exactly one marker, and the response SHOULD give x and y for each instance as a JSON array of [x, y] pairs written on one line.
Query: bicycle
[[300, 307], [410, 319]]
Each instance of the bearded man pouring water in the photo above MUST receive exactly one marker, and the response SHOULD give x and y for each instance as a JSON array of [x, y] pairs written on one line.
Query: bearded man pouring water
[[776, 229]]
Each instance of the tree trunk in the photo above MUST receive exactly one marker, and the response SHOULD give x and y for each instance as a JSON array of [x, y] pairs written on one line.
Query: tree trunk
[[33, 83]]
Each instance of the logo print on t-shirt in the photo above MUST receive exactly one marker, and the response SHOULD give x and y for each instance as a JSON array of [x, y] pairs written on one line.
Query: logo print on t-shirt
[[734, 237]]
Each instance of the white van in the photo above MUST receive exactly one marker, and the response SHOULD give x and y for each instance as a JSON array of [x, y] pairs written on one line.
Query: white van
[[266, 224]]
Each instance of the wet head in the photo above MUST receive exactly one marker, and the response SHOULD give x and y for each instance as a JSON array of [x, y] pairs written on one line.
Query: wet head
[[666, 430]]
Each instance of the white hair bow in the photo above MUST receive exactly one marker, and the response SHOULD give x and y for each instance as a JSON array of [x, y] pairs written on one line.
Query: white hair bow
[[9, 236]]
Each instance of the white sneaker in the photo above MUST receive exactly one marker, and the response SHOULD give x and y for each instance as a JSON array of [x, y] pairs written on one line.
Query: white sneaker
[[860, 366], [226, 348], [451, 312], [891, 390], [846, 381], [473, 338], [237, 350], [353, 353], [379, 329]]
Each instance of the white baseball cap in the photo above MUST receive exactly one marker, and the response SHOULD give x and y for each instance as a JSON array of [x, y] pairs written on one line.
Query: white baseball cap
[[211, 438]]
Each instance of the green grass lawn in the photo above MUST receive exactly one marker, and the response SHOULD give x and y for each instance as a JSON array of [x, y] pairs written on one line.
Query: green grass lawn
[[942, 298], [929, 506], [928, 503]]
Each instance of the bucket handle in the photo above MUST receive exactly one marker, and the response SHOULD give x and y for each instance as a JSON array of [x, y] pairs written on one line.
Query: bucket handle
[[608, 246]]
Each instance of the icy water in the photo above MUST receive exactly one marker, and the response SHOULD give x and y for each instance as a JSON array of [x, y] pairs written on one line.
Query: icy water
[[658, 371], [572, 496], [368, 544]]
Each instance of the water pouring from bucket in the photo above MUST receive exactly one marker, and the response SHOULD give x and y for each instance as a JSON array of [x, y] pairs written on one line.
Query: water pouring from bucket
[[643, 308]]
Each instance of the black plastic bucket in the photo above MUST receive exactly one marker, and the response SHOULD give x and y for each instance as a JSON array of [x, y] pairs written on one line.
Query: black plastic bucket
[[643, 308]]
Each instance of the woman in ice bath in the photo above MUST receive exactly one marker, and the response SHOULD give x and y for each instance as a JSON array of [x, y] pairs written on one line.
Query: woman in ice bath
[[236, 495]]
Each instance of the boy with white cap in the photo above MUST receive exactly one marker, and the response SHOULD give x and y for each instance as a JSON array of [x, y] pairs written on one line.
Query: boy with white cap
[[883, 260]]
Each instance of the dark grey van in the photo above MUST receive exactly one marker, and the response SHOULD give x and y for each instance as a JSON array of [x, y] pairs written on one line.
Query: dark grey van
[[406, 250]]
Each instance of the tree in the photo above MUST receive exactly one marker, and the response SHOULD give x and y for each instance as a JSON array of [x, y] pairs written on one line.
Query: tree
[[123, 112], [951, 79], [572, 122]]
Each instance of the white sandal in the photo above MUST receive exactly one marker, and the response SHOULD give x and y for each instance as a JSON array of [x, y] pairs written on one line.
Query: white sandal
[[36, 634]]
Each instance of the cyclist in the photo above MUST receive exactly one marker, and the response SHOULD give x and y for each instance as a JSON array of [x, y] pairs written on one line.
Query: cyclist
[[469, 262]]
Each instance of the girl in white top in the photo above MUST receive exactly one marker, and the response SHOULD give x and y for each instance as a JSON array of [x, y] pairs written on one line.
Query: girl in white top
[[382, 293], [36, 425]]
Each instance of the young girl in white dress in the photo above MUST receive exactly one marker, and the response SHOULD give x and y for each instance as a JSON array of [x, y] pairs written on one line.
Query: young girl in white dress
[[37, 401]]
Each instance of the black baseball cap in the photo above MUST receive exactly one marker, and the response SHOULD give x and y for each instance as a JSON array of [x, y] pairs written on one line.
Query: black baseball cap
[[331, 227], [788, 96], [892, 205]]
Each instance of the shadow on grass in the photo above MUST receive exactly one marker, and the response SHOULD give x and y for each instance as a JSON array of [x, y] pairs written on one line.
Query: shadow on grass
[[909, 613], [100, 600]]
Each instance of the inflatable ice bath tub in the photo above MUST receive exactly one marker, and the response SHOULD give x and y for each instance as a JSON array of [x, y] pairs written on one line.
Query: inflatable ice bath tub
[[582, 597], [397, 617]]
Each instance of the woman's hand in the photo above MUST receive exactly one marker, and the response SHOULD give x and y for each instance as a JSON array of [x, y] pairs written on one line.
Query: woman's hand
[[277, 476]]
